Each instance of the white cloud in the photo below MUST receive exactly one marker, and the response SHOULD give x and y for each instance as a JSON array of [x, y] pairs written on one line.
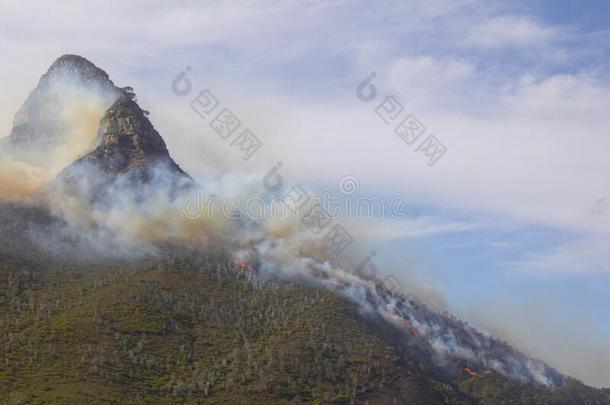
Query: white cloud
[[425, 78], [512, 31], [583, 256], [426, 226]]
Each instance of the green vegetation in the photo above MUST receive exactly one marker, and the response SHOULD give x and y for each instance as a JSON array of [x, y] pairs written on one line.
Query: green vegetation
[[197, 330]]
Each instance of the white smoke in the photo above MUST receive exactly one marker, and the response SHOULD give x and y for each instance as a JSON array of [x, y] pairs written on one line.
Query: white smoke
[[138, 220]]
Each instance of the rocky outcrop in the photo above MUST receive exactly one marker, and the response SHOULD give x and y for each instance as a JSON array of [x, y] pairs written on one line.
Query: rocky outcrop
[[130, 154], [127, 140]]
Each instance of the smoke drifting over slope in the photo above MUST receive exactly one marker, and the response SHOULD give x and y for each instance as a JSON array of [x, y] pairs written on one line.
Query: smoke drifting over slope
[[95, 164], [57, 124]]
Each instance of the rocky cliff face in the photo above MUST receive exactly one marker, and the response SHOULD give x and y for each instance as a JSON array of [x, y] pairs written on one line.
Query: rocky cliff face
[[130, 155], [126, 128], [127, 141]]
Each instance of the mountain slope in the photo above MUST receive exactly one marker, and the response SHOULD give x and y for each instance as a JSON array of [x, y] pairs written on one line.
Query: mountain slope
[[189, 328], [114, 295]]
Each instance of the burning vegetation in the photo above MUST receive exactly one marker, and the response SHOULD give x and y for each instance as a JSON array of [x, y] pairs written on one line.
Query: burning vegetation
[[131, 300]]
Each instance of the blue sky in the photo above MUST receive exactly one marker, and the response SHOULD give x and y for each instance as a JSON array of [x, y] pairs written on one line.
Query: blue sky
[[514, 221]]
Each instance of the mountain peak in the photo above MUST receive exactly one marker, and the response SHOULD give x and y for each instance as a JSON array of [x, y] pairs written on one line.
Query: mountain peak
[[125, 124], [73, 87], [79, 68], [129, 150], [71, 58], [126, 136], [77, 119]]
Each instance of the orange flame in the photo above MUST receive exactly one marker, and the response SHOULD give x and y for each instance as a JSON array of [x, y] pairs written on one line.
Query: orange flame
[[242, 264], [470, 372]]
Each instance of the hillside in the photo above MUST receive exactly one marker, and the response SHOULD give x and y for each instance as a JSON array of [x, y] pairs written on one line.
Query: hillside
[[194, 328], [109, 293]]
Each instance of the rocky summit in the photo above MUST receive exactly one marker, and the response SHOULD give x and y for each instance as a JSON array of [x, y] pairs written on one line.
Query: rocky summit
[[129, 149], [127, 140]]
